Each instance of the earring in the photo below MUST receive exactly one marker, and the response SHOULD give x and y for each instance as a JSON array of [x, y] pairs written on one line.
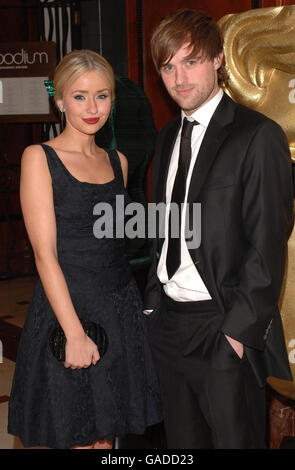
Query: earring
[[62, 116]]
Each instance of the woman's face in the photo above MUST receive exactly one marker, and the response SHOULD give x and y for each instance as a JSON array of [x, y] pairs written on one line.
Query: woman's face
[[87, 102]]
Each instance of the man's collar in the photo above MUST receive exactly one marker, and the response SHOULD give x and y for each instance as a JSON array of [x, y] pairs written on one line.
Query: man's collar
[[205, 112]]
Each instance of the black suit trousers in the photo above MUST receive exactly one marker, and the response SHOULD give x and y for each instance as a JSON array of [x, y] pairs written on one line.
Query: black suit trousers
[[210, 396]]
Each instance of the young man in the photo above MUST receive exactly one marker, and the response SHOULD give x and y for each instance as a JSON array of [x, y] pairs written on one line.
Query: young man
[[215, 327]]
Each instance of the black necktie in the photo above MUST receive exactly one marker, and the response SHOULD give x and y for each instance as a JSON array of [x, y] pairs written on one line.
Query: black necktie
[[173, 258]]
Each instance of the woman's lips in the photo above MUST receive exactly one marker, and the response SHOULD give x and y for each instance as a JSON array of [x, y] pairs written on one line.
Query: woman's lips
[[91, 120]]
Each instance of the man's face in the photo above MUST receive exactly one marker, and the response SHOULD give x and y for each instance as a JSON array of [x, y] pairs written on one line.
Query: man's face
[[191, 82]]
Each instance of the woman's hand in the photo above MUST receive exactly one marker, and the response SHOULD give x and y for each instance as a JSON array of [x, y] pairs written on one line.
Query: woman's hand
[[81, 352]]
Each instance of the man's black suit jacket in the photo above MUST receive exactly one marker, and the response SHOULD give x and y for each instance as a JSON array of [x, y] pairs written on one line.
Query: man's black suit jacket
[[243, 180]]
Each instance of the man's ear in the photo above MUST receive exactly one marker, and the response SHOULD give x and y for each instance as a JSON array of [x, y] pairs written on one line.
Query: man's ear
[[217, 61]]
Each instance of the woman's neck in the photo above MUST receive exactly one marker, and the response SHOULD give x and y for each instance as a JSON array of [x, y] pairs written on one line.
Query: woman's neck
[[77, 141]]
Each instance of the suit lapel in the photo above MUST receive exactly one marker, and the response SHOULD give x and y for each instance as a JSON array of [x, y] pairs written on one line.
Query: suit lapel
[[217, 131], [161, 166], [166, 153]]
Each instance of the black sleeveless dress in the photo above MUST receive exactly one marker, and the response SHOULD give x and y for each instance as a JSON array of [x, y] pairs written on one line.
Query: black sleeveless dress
[[60, 408]]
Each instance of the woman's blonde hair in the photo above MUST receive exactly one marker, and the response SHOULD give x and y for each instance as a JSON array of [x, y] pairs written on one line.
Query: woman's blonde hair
[[77, 62]]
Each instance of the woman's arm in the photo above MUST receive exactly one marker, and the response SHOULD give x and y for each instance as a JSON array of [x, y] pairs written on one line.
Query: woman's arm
[[36, 196]]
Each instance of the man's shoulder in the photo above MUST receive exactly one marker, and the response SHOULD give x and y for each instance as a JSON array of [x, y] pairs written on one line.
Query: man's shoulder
[[251, 125], [252, 118], [173, 124], [167, 133]]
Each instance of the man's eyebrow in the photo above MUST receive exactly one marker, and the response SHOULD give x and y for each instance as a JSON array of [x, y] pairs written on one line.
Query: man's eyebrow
[[198, 56]]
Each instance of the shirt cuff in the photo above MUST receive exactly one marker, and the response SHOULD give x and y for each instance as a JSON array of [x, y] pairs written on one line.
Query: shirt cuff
[[147, 312]]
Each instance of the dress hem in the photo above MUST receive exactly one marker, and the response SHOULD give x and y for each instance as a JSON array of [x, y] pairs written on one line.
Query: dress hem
[[82, 443]]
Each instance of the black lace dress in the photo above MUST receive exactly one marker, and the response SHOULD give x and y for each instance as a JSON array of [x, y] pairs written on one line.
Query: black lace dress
[[60, 408]]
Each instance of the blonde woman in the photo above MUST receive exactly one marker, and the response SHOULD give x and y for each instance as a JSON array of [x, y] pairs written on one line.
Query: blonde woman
[[86, 400]]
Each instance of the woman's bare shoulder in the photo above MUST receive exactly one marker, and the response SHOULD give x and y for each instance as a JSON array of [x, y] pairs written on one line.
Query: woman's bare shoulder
[[34, 161]]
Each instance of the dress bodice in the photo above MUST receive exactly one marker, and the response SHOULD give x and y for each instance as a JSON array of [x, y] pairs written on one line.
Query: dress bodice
[[87, 216]]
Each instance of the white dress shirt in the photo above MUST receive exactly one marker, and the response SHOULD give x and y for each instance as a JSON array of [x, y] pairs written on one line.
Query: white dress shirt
[[186, 284]]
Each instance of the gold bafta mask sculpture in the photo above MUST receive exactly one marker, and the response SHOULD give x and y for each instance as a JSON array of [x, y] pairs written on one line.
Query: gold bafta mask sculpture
[[259, 47]]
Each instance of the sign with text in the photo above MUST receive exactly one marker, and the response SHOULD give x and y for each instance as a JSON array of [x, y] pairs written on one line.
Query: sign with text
[[23, 69]]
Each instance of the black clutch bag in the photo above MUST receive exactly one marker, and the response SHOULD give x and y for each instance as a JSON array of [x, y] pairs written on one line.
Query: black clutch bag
[[57, 339]]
